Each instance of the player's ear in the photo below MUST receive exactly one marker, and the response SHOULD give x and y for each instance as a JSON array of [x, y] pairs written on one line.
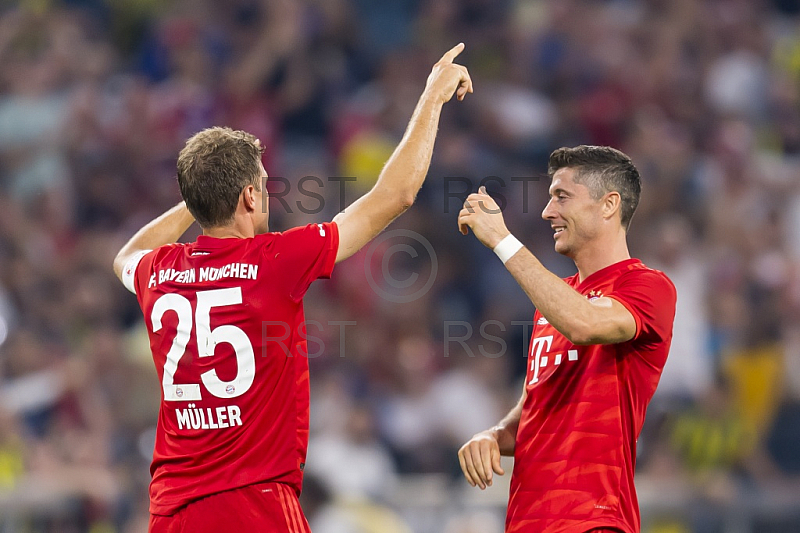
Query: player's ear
[[612, 203], [249, 198]]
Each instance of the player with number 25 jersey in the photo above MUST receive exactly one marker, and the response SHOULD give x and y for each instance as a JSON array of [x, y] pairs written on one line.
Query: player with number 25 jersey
[[236, 413], [226, 325]]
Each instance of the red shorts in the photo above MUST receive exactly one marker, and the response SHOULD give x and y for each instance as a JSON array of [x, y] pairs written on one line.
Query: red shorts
[[263, 507]]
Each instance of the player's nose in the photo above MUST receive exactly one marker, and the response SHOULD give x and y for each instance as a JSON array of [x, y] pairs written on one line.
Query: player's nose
[[549, 211]]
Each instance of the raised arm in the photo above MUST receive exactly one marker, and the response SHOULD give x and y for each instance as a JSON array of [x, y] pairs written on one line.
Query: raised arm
[[600, 321], [480, 456], [402, 177], [165, 229]]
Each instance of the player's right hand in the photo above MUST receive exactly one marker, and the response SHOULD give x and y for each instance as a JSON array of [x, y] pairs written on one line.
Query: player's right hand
[[447, 77], [480, 458]]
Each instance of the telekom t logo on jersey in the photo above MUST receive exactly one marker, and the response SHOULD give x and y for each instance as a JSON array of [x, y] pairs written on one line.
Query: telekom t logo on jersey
[[540, 361]]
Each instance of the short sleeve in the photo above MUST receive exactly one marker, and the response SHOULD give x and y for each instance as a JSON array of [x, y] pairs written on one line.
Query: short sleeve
[[129, 271], [650, 297], [305, 254]]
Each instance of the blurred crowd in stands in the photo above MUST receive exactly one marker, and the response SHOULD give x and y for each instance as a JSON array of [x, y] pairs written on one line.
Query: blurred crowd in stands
[[97, 98]]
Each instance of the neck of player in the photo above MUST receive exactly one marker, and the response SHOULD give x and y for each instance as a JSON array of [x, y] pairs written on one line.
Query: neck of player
[[240, 228], [601, 252]]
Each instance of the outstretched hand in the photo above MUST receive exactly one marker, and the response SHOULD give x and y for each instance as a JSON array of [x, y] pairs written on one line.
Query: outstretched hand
[[447, 77], [482, 214]]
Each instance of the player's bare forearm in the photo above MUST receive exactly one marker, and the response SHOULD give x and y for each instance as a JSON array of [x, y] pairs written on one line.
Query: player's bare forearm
[[480, 456], [405, 171], [604, 321], [165, 229], [398, 183], [506, 431]]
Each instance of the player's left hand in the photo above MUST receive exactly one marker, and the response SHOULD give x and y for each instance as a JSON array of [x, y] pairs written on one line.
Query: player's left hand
[[481, 214], [448, 78], [480, 459]]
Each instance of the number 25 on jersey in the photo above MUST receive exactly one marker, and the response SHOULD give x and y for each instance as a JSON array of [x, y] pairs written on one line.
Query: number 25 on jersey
[[207, 340]]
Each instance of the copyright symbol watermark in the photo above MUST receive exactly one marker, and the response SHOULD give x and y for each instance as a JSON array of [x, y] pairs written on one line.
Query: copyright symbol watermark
[[395, 288]]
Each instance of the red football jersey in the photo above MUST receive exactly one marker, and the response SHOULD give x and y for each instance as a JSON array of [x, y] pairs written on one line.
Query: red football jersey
[[227, 332], [576, 443]]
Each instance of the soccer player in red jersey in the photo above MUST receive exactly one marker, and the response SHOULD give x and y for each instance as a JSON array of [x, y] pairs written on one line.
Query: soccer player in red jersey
[[225, 319], [600, 340]]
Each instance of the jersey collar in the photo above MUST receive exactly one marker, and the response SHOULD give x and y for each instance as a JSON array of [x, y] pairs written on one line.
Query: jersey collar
[[606, 272], [205, 242]]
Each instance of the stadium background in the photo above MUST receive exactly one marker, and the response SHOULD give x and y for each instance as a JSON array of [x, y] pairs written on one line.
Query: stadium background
[[97, 97]]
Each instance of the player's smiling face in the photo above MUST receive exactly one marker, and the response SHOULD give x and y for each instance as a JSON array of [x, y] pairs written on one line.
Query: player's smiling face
[[572, 213]]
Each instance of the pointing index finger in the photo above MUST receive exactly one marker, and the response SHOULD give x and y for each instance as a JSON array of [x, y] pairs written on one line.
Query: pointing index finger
[[451, 54]]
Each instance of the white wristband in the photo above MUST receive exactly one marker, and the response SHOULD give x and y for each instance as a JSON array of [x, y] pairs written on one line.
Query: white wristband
[[506, 248]]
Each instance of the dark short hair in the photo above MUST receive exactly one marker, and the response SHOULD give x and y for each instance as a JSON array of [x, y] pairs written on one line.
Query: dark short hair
[[602, 169], [213, 168]]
